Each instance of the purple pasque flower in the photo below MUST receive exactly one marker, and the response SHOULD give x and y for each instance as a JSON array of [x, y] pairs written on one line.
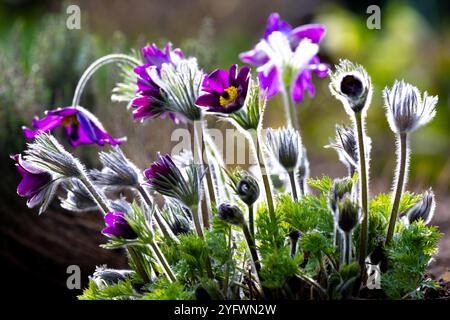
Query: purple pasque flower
[[225, 91], [148, 101], [162, 172], [287, 57], [36, 185], [81, 126], [117, 226]]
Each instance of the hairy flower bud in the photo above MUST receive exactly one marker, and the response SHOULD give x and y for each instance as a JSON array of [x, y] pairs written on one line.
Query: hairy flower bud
[[349, 215], [78, 198], [339, 189], [346, 146], [231, 214], [104, 276], [118, 172], [351, 84], [248, 189], [405, 108], [423, 209], [286, 147]]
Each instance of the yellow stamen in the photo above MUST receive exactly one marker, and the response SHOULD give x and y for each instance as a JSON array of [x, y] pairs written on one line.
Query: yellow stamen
[[69, 120], [228, 96]]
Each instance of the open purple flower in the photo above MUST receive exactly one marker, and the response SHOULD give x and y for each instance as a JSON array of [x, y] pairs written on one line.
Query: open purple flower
[[36, 185], [225, 91], [82, 127], [295, 48], [118, 226], [148, 102]]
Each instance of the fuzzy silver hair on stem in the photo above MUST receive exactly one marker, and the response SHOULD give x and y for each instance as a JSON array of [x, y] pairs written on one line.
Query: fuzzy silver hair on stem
[[351, 84], [406, 111]]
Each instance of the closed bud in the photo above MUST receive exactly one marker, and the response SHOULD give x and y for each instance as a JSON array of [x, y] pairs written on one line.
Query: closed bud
[[349, 215], [231, 214], [423, 209], [339, 189], [248, 189], [286, 147]]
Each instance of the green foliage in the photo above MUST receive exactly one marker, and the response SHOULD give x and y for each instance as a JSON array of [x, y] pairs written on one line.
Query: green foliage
[[308, 214], [162, 289], [121, 291], [316, 243], [278, 265], [408, 257], [323, 185], [193, 254], [270, 233]]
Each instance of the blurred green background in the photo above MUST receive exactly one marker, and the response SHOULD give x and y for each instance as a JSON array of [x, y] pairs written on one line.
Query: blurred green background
[[41, 61]]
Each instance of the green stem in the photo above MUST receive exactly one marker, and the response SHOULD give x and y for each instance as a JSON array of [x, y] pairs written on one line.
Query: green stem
[[202, 158], [293, 186], [291, 115], [110, 58], [227, 267], [162, 261], [197, 225], [97, 196], [137, 261], [364, 192], [347, 248], [254, 254], [165, 229], [251, 220], [401, 171], [265, 177]]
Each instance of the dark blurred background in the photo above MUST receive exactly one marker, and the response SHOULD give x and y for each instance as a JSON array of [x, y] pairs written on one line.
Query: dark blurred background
[[41, 61]]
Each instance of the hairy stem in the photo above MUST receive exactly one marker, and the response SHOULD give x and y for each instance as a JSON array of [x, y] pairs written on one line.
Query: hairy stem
[[253, 253], [110, 58], [251, 220], [197, 225], [162, 224], [138, 262], [293, 186], [364, 191], [96, 195], [347, 247], [399, 186], [265, 176], [162, 261], [199, 149], [289, 109]]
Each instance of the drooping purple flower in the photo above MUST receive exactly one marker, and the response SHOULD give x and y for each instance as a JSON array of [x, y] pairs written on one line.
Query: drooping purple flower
[[162, 172], [148, 101], [36, 185], [285, 47], [81, 126], [225, 91], [167, 179], [117, 226]]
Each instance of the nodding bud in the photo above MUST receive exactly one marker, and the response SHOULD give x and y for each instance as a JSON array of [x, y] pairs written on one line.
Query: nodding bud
[[78, 198], [423, 209], [118, 172], [339, 189], [351, 84], [286, 147], [346, 147], [231, 214], [405, 108], [349, 214], [248, 189], [47, 154]]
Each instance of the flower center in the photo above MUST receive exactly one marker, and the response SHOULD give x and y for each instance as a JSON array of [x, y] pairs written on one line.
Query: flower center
[[70, 120], [228, 96]]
